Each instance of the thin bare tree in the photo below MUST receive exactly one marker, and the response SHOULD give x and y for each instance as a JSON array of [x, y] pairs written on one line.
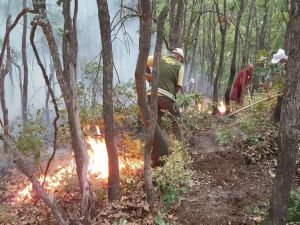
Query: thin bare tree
[[108, 111], [176, 18], [66, 77], [289, 123], [161, 146], [233, 59], [24, 99], [223, 23], [3, 72]]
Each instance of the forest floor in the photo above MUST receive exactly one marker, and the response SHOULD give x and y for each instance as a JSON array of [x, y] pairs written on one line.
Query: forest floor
[[229, 188]]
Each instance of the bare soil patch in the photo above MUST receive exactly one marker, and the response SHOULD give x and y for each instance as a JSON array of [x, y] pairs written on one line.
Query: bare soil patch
[[225, 186]]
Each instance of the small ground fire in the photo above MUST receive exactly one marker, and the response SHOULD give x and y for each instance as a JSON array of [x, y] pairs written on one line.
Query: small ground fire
[[98, 168]]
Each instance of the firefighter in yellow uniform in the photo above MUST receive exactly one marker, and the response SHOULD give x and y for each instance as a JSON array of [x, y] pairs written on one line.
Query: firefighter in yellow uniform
[[170, 81]]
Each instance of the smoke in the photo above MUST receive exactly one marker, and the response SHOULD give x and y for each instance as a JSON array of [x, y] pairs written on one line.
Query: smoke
[[125, 48]]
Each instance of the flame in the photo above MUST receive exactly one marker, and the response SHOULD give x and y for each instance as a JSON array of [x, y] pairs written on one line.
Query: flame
[[98, 167], [25, 193], [222, 107], [52, 182], [98, 159], [199, 106]]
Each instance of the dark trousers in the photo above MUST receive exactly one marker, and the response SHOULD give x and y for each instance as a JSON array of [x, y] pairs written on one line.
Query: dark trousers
[[160, 147], [277, 110], [166, 105]]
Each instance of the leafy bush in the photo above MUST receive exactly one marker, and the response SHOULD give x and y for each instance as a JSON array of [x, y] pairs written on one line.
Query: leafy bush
[[124, 95], [175, 176], [293, 216], [223, 136], [30, 140], [294, 207], [186, 100]]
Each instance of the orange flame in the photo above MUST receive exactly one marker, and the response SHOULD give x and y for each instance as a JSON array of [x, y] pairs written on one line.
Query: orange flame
[[222, 107], [98, 159], [98, 166]]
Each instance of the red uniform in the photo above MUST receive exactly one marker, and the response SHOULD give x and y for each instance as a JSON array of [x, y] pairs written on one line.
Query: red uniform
[[242, 81]]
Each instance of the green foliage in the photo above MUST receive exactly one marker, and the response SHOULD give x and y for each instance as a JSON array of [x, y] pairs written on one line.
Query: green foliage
[[254, 139], [170, 195], [159, 220], [175, 176], [262, 56], [187, 99], [60, 32], [125, 95], [123, 222], [91, 115], [223, 136], [294, 207], [92, 68], [194, 121], [30, 141], [293, 215], [92, 84], [59, 2]]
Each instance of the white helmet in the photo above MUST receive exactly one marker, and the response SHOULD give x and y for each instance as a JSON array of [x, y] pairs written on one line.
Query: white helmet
[[179, 51], [279, 56]]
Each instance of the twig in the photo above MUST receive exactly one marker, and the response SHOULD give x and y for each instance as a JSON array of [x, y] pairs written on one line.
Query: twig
[[59, 213], [241, 109], [11, 27], [52, 96], [131, 9]]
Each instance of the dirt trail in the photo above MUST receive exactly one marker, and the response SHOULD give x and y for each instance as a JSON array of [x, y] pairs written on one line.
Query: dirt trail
[[224, 186]]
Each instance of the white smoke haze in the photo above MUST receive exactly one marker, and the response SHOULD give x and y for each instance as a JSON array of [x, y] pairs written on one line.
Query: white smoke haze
[[125, 48]]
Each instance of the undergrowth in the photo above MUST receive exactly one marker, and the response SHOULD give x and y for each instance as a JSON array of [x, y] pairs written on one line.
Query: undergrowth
[[293, 214], [252, 130], [175, 177]]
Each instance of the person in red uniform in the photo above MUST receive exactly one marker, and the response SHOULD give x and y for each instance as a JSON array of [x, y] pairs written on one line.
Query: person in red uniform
[[241, 83]]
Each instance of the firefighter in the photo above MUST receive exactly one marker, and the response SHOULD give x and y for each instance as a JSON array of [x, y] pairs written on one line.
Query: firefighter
[[171, 71]]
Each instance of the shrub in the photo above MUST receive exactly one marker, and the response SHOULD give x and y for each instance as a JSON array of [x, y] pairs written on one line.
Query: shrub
[[175, 176], [223, 136]]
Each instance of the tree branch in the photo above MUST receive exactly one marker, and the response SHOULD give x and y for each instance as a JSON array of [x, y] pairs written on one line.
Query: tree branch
[[11, 27], [51, 94], [59, 213]]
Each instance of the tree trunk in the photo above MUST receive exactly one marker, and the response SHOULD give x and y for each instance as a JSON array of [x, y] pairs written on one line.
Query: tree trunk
[[289, 124], [3, 72], [19, 76], [176, 24], [108, 112], [223, 29], [245, 50], [233, 60], [160, 147], [212, 50], [24, 99], [191, 73], [151, 128], [69, 74], [261, 33], [67, 81]]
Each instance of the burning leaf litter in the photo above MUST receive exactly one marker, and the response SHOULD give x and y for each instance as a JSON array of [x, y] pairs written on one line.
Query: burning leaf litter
[[97, 170]]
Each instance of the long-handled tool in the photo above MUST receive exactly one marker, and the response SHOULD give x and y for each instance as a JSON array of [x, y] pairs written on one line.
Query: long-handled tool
[[241, 109]]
